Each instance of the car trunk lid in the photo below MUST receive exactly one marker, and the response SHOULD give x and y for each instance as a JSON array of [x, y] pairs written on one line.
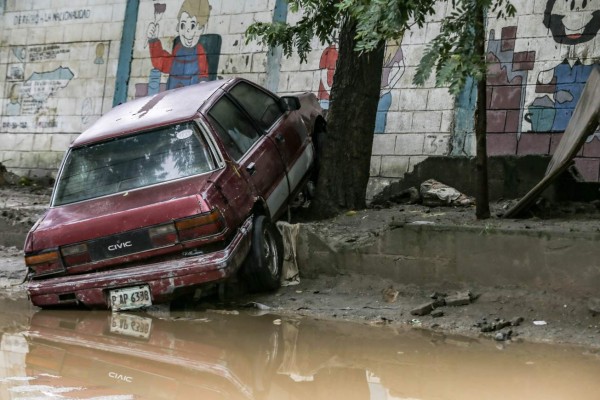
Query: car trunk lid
[[119, 221]]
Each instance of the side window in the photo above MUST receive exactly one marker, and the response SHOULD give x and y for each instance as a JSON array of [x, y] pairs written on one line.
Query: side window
[[261, 106], [233, 127]]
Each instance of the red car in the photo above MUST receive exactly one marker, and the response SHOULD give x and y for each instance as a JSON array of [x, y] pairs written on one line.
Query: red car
[[166, 193]]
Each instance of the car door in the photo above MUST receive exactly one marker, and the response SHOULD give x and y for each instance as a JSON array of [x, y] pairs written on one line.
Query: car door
[[254, 155], [285, 128]]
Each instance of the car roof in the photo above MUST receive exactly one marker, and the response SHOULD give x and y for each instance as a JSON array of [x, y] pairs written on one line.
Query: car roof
[[164, 108]]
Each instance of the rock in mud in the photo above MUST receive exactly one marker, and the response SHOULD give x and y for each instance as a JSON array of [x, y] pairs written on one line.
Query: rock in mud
[[424, 309], [459, 299]]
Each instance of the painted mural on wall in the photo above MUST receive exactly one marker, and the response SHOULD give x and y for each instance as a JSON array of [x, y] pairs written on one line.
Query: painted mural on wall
[[573, 23], [327, 65], [393, 69], [39, 78], [193, 56], [536, 76], [532, 95]]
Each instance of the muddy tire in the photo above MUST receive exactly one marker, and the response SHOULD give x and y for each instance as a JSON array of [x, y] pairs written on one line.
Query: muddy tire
[[262, 268]]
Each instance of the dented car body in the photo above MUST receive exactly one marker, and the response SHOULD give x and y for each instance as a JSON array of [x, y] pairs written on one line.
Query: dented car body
[[169, 192]]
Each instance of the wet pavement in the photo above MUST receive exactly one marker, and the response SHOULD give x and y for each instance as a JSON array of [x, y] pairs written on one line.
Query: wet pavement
[[231, 354]]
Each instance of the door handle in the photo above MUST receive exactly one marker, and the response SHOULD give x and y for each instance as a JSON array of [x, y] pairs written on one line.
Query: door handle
[[279, 137], [251, 168]]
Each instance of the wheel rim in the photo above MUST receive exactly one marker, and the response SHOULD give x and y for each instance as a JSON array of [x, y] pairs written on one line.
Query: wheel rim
[[270, 251]]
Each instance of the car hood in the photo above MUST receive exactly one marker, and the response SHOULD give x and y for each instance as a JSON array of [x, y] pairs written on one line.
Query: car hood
[[120, 212]]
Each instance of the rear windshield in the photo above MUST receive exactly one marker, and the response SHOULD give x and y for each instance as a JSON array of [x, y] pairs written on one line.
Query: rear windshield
[[133, 162]]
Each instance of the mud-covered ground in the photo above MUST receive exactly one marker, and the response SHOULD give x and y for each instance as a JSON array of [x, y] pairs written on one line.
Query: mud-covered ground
[[543, 316]]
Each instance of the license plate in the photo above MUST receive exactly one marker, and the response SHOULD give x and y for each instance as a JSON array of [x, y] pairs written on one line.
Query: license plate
[[130, 298], [131, 325]]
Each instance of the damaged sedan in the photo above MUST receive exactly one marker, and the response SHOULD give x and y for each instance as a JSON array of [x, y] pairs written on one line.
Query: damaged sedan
[[168, 193]]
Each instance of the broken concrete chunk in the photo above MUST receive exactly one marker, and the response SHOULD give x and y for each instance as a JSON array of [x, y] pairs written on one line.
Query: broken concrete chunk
[[459, 299], [437, 313], [437, 295], [423, 309]]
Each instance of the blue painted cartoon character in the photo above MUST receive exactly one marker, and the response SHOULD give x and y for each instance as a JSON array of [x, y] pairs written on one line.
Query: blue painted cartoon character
[[571, 23]]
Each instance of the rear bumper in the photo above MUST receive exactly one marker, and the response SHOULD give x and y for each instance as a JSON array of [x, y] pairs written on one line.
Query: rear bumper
[[163, 278]]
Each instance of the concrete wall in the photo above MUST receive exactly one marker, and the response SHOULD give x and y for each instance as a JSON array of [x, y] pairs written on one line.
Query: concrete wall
[[440, 255], [59, 61], [57, 74]]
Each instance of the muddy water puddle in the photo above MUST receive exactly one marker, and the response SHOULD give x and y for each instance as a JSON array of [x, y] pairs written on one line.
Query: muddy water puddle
[[240, 355]]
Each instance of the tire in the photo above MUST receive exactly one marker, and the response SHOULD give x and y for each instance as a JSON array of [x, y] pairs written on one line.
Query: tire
[[262, 268]]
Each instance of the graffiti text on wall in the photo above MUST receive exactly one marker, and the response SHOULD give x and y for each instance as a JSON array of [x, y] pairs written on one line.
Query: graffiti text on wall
[[50, 52], [37, 18]]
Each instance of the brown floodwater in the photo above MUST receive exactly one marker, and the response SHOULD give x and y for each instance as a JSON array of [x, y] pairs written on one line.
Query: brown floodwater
[[244, 355]]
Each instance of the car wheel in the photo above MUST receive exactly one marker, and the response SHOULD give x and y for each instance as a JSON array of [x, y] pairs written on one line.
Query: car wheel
[[262, 268]]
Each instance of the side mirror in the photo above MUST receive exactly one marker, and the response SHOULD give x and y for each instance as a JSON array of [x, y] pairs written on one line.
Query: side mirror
[[290, 103]]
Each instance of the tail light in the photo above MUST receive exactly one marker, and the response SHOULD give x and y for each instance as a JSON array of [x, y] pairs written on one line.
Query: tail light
[[208, 224], [44, 263], [76, 254], [163, 235]]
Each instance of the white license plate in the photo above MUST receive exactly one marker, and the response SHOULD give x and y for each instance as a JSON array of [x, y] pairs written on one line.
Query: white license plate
[[131, 325], [130, 298]]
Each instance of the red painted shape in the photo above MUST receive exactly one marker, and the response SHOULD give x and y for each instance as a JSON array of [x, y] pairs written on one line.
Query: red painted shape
[[501, 144], [512, 121], [508, 35], [589, 168], [592, 149], [523, 61], [534, 143], [554, 141], [496, 120], [506, 97]]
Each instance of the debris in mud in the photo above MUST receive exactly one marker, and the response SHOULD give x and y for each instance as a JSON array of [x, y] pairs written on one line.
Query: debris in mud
[[423, 309], [407, 196], [460, 299], [503, 336], [594, 306], [256, 305], [436, 194], [440, 300], [496, 325], [390, 294]]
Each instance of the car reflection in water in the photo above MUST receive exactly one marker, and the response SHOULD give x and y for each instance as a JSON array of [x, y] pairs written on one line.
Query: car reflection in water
[[212, 355]]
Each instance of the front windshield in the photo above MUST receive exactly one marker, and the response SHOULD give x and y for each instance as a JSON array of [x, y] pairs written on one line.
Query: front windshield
[[132, 162]]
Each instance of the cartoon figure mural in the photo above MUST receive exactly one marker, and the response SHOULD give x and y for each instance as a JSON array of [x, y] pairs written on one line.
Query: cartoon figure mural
[[194, 55], [100, 48], [327, 66], [393, 69], [14, 100], [572, 23]]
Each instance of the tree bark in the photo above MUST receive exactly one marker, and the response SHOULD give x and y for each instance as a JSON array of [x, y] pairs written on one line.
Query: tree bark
[[482, 206], [347, 146]]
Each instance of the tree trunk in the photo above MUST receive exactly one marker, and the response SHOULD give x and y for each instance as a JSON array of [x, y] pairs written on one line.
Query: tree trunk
[[482, 206], [347, 146]]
